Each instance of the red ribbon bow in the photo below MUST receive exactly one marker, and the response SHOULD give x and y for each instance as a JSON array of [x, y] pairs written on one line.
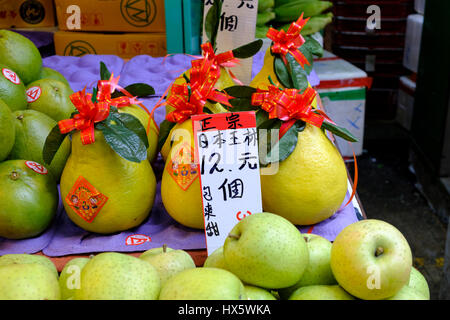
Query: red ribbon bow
[[107, 87], [290, 41], [89, 114], [288, 105], [189, 98], [225, 60], [267, 99]]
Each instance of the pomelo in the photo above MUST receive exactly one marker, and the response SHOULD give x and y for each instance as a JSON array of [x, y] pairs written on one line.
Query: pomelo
[[12, 89], [49, 73], [32, 129], [7, 131], [153, 130], [51, 97], [20, 55], [28, 199]]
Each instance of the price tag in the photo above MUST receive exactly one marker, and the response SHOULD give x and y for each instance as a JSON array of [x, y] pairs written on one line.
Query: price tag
[[236, 28], [226, 150]]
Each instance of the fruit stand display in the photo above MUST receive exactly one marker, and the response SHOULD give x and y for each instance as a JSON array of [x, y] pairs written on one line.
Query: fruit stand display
[[95, 156]]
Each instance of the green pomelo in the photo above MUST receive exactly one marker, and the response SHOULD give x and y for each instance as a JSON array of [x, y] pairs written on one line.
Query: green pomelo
[[7, 131], [32, 129], [21, 55], [29, 200], [51, 97], [12, 89]]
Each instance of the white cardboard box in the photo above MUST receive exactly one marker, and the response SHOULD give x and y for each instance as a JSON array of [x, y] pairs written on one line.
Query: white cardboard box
[[405, 102], [413, 38], [419, 6], [342, 90]]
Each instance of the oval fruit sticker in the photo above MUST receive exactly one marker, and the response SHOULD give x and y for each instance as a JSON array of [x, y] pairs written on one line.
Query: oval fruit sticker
[[36, 167], [11, 76], [33, 94], [137, 239]]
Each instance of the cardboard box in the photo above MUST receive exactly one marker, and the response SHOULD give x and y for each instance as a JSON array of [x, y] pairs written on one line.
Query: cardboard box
[[115, 15], [124, 45], [419, 6], [342, 90], [27, 14], [405, 102], [413, 39]]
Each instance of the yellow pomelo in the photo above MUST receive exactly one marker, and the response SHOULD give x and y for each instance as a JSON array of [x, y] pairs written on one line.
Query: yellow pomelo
[[261, 79], [310, 184], [185, 206], [129, 186], [153, 130], [223, 82]]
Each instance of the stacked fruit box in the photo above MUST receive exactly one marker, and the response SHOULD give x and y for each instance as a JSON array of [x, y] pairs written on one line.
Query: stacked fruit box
[[371, 35], [122, 28]]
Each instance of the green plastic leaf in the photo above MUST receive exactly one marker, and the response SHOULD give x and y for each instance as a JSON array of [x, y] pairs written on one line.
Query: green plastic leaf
[[339, 131], [104, 72], [137, 90], [94, 95], [297, 73], [52, 143], [282, 72], [313, 46], [248, 50], [164, 130], [242, 104], [140, 89], [309, 56], [212, 21], [123, 141], [286, 146], [261, 117], [133, 123], [240, 91]]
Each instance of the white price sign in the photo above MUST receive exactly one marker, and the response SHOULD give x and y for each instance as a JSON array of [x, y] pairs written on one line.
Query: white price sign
[[227, 153]]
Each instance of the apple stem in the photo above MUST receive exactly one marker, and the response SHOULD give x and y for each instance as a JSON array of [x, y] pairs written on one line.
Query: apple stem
[[20, 117], [234, 236], [379, 251], [164, 247], [306, 239]]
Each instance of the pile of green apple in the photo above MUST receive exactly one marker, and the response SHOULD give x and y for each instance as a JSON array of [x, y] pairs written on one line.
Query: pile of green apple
[[264, 257]]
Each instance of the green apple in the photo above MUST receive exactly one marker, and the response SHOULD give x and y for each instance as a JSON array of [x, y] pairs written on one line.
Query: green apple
[[417, 281], [216, 259], [408, 293], [257, 293], [28, 281], [371, 259], [118, 276], [318, 271], [168, 262], [321, 292], [203, 284], [70, 277], [266, 250], [24, 258]]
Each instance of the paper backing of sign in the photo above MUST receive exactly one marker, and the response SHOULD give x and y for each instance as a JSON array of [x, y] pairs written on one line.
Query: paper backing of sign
[[229, 172], [236, 28]]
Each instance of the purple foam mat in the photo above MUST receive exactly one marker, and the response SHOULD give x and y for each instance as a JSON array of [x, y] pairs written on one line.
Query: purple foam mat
[[64, 238]]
